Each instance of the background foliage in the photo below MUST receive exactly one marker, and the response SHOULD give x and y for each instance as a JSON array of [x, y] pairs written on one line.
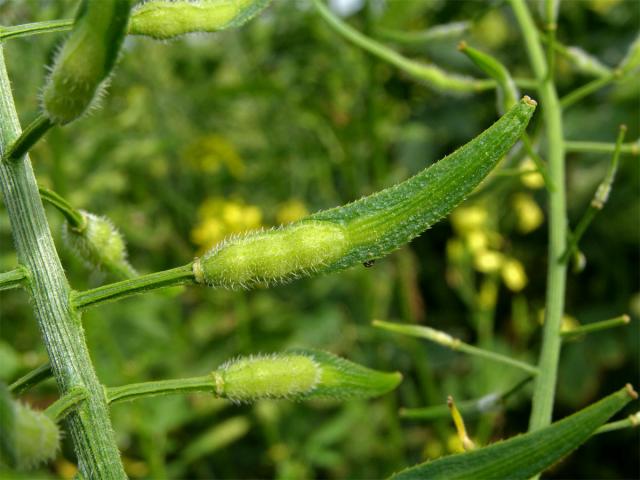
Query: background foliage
[[214, 134]]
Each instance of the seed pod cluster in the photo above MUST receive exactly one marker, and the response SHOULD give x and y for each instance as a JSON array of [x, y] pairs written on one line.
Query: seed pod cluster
[[100, 245], [369, 228], [299, 374], [84, 62], [162, 19]]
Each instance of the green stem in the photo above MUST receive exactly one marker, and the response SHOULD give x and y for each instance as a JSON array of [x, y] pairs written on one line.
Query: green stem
[[65, 404], [596, 326], [133, 286], [587, 89], [599, 199], [36, 28], [133, 391], [89, 426], [544, 392], [467, 407], [13, 279], [632, 148], [632, 421], [28, 138], [76, 220], [446, 340], [539, 162], [31, 379]]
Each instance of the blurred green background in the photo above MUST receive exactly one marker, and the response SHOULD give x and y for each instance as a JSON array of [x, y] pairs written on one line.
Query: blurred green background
[[214, 134]]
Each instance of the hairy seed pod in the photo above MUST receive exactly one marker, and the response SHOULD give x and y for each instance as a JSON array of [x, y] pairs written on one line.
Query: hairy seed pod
[[162, 19], [369, 228], [272, 256], [100, 245], [300, 374], [27, 437], [83, 64]]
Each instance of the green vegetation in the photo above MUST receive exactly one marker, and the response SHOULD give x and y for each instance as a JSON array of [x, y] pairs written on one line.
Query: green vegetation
[[150, 298]]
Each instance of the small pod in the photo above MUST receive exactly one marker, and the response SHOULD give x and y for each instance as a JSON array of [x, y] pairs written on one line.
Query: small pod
[[369, 228], [162, 19], [300, 374], [100, 245], [82, 66]]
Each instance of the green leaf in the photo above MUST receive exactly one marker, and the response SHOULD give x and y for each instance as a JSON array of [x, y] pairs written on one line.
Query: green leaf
[[526, 455]]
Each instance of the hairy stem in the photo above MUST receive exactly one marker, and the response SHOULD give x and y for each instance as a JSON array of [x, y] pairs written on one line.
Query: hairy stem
[[31, 379], [13, 279], [544, 393], [134, 286], [206, 383], [28, 138], [36, 28], [89, 426]]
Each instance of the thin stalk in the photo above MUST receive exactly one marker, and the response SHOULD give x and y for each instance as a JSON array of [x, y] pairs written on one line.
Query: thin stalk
[[76, 220], [446, 340], [89, 426], [632, 421], [467, 407], [65, 404], [544, 392], [133, 286], [632, 148], [36, 28], [614, 322], [31, 379], [15, 278], [597, 203], [134, 391], [28, 138], [587, 89], [539, 162]]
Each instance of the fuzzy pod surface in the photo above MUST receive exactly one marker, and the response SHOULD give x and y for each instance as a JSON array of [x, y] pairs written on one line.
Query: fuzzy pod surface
[[299, 374], [162, 19], [369, 228], [84, 62], [100, 245]]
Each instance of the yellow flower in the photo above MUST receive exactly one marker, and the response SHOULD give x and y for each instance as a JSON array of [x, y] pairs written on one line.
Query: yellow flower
[[528, 212], [492, 29], [488, 261], [209, 153], [291, 211], [513, 275], [454, 444], [532, 180], [467, 219]]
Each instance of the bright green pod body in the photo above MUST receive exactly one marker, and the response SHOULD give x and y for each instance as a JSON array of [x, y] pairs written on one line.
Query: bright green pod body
[[86, 59], [369, 228], [162, 19]]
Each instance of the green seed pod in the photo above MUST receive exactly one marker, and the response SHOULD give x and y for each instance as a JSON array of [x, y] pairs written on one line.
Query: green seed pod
[[83, 64], [631, 61], [162, 19], [369, 228], [100, 245], [27, 437], [300, 374]]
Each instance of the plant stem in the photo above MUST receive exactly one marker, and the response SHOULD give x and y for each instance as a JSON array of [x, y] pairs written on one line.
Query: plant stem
[[544, 392], [89, 426], [133, 286], [597, 326], [446, 340], [13, 279], [632, 421], [632, 148], [76, 220], [31, 379], [28, 138], [35, 28], [206, 383], [65, 404], [587, 89]]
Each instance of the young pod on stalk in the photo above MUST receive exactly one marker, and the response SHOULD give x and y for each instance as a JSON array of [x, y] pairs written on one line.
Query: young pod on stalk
[[99, 244], [367, 229], [163, 19], [299, 374], [27, 437], [83, 64]]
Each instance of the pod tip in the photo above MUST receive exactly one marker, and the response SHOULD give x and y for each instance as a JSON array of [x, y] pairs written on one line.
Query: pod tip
[[632, 393], [529, 101], [462, 45]]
